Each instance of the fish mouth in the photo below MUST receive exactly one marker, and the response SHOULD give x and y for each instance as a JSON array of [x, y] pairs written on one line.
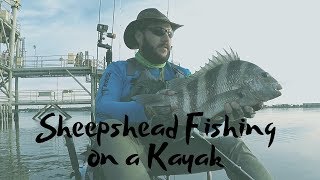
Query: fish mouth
[[277, 87]]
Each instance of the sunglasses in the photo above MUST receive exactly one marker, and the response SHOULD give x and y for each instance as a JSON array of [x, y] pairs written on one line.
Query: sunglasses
[[159, 31]]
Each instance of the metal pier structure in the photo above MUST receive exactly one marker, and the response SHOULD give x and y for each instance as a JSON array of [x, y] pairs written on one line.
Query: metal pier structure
[[10, 37], [34, 67], [14, 65], [74, 66]]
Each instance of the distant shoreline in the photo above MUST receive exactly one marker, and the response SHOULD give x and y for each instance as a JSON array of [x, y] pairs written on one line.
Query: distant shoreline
[[304, 105]]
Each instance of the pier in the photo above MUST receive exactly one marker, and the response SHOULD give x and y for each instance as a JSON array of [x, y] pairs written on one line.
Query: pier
[[15, 65], [51, 66]]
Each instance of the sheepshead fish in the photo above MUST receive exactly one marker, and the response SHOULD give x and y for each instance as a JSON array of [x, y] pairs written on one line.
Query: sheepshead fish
[[224, 79]]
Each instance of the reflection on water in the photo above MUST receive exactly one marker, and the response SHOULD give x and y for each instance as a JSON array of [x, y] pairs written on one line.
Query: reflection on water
[[23, 158], [293, 154]]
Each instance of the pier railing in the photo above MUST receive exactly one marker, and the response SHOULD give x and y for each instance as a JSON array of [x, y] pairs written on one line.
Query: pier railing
[[51, 61], [3, 99], [67, 96], [58, 61]]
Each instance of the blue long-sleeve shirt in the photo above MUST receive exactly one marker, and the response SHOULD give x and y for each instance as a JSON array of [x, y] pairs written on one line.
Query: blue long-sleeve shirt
[[115, 84]]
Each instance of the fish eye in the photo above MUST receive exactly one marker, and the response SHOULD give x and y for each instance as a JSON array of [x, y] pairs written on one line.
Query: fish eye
[[265, 74]]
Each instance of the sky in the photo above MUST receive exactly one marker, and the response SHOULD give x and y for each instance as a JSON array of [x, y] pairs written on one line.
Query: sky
[[282, 37]]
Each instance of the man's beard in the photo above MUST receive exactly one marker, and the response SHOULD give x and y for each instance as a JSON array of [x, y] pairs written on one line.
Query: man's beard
[[149, 53]]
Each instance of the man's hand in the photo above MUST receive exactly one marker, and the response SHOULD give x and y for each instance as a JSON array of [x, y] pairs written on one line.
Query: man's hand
[[161, 111], [234, 111]]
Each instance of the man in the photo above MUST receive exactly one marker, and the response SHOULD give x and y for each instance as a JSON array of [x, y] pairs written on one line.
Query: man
[[152, 33]]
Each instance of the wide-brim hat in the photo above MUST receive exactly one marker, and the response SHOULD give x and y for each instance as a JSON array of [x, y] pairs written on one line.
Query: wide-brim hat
[[147, 15]]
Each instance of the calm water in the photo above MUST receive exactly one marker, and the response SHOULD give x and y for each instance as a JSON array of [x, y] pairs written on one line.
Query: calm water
[[294, 153]]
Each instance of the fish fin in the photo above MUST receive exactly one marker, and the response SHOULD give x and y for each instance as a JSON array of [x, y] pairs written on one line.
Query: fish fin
[[234, 55], [218, 60], [211, 63], [222, 58], [228, 54]]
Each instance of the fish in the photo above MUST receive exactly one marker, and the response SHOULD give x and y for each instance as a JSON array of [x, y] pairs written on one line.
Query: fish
[[224, 79]]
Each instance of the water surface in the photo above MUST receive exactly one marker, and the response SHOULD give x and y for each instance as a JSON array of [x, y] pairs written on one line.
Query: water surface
[[294, 153]]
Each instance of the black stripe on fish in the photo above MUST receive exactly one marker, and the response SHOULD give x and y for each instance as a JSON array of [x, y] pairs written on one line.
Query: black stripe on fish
[[211, 79], [222, 85], [184, 100], [191, 89], [233, 70]]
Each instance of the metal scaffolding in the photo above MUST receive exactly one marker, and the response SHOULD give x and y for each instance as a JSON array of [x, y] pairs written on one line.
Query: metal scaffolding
[[8, 23], [14, 64]]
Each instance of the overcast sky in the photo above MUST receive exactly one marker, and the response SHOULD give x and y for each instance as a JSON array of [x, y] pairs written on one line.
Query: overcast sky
[[282, 37]]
